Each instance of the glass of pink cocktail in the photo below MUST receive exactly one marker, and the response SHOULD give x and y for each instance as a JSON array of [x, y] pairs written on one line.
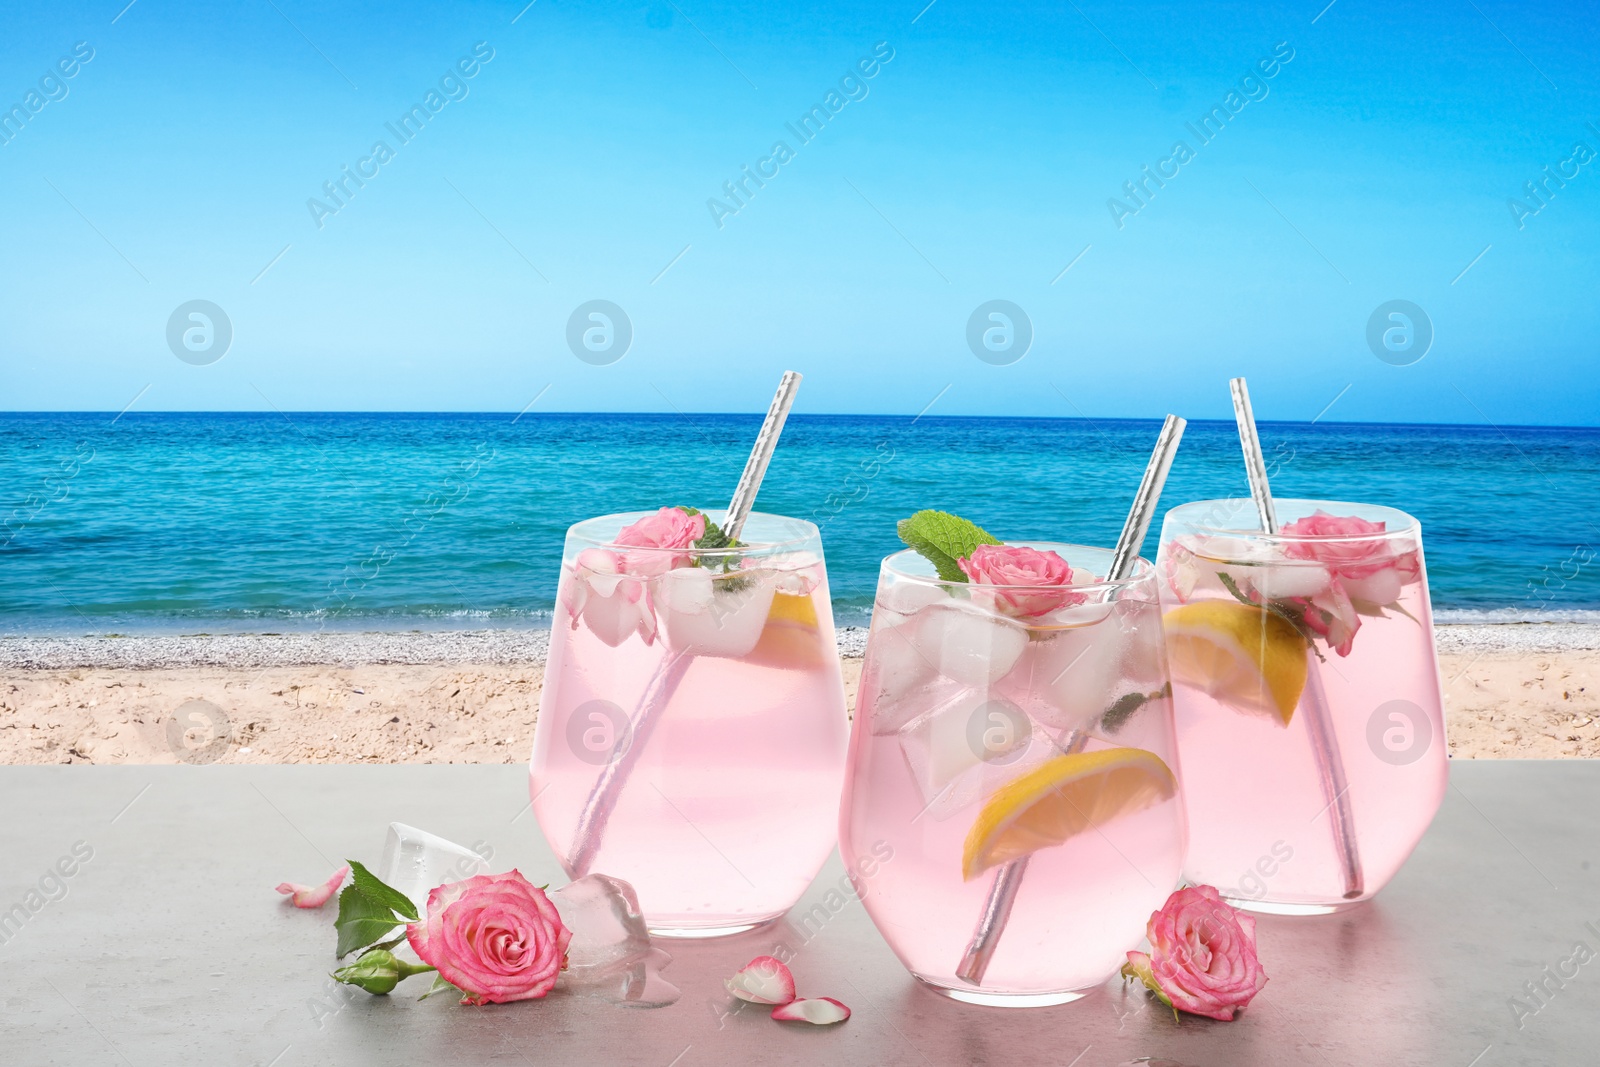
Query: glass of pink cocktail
[[1012, 786], [692, 728], [1307, 698]]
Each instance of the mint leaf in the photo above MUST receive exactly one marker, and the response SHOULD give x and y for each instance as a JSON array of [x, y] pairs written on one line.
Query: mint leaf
[[1117, 715], [362, 921], [714, 538], [1285, 610], [942, 538], [391, 898]]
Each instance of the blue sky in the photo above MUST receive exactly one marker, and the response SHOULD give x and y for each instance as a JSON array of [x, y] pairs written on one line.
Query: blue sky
[[978, 163]]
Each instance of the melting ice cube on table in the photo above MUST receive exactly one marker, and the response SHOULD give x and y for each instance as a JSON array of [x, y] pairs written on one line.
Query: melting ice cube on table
[[415, 862], [603, 914], [610, 954]]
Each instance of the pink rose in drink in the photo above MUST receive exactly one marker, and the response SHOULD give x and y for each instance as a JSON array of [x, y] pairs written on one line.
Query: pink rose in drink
[[1332, 615], [614, 605], [496, 937], [610, 593], [668, 528], [1202, 956], [1372, 568], [1035, 582]]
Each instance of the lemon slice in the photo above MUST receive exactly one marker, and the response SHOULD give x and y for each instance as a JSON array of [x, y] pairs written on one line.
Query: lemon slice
[[1062, 798], [1241, 654], [791, 607], [791, 639]]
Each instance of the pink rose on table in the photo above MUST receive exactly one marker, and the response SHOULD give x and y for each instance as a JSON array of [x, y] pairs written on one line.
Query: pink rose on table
[[1020, 566], [668, 528], [1202, 956], [1372, 568], [496, 937]]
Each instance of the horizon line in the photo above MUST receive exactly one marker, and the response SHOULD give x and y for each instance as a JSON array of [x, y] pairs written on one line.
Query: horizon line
[[756, 416]]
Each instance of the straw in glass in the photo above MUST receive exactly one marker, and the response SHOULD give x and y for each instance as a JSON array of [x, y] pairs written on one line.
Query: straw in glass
[[1314, 701], [670, 670], [1008, 880]]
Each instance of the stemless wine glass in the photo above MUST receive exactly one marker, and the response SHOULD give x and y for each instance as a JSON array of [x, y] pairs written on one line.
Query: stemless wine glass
[[692, 727], [1307, 699], [1011, 812]]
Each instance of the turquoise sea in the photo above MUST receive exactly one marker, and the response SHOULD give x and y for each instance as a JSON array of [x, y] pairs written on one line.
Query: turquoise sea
[[269, 522]]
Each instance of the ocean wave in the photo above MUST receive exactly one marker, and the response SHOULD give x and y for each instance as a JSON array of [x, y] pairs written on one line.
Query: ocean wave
[[1499, 616]]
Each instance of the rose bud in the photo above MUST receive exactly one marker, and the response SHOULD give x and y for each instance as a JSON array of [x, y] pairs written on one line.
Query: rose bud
[[377, 971]]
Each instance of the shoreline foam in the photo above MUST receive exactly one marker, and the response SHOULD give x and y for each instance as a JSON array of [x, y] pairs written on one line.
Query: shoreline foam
[[529, 647]]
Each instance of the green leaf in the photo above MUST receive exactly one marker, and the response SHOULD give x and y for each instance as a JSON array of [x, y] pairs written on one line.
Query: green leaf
[[942, 539], [361, 921], [1396, 606], [1138, 969], [714, 538], [1117, 715], [391, 898], [1290, 615]]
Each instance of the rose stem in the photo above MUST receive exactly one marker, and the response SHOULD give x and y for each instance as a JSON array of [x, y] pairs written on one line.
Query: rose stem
[[670, 670], [1008, 880], [1314, 701]]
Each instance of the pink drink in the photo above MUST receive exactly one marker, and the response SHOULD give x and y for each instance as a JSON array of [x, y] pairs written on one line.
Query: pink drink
[[1313, 813], [692, 728], [962, 705]]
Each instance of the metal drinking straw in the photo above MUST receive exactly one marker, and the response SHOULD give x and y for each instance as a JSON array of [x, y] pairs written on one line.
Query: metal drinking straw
[[1008, 880], [755, 468], [1314, 701], [670, 670]]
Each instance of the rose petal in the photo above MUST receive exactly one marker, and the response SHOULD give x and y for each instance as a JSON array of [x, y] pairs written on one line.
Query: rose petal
[[818, 1011], [764, 980], [314, 896]]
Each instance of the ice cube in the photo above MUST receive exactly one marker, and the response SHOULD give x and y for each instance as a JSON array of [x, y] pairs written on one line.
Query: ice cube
[[607, 929], [610, 954], [707, 614], [416, 862], [967, 644], [899, 682], [1254, 568], [907, 598], [1143, 645], [966, 748], [1068, 678], [798, 572], [613, 607], [1282, 580]]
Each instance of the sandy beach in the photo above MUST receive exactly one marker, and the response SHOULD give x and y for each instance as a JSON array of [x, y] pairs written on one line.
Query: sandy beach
[[472, 697]]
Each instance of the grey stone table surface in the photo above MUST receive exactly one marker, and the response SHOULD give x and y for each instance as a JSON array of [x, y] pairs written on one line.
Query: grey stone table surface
[[166, 944]]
